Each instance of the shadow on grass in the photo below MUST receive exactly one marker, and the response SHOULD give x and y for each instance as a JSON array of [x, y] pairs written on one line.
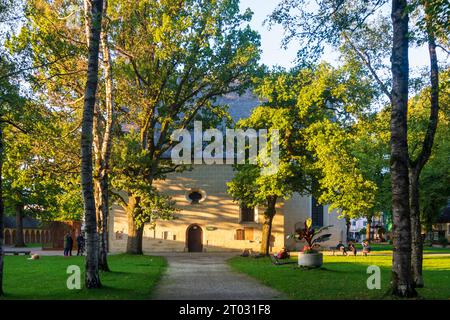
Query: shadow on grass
[[130, 278], [344, 278]]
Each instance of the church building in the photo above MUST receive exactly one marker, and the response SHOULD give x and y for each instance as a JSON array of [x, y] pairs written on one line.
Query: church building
[[209, 220]]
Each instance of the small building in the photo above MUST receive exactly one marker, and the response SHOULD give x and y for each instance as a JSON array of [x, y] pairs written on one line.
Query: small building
[[378, 223], [208, 218], [33, 231], [441, 229]]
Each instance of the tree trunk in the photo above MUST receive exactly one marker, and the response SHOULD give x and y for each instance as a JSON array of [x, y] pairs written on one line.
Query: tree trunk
[[2, 211], [423, 157], [402, 284], [94, 15], [103, 252], [20, 243], [100, 204], [267, 226], [106, 143], [266, 233], [134, 240], [416, 236], [347, 225], [368, 229], [102, 220]]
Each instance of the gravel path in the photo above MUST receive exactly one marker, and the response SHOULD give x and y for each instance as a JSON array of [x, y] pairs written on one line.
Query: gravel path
[[206, 276]]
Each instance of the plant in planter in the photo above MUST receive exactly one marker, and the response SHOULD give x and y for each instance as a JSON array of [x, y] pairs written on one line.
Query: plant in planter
[[310, 257]]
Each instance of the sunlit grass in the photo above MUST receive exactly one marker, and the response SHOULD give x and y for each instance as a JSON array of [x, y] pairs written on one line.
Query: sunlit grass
[[132, 277], [343, 277], [382, 248]]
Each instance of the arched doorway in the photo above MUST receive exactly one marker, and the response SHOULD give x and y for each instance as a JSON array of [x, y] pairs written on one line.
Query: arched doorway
[[8, 237], [194, 236]]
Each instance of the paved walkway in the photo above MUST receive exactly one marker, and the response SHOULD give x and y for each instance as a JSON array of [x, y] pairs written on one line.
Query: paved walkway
[[38, 250], [206, 276]]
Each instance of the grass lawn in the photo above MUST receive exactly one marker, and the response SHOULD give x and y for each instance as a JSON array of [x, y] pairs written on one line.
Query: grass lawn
[[132, 277], [343, 277], [383, 248]]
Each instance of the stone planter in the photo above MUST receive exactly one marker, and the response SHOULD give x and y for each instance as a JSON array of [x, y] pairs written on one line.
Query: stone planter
[[310, 260]]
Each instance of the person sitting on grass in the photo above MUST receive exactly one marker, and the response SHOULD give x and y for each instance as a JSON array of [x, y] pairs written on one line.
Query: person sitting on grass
[[341, 247], [366, 247], [283, 254], [352, 248]]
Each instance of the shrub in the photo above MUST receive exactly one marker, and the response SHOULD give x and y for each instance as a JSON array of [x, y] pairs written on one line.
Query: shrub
[[443, 241]]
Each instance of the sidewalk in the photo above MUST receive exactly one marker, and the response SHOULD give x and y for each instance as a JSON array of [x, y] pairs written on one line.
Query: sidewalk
[[206, 276]]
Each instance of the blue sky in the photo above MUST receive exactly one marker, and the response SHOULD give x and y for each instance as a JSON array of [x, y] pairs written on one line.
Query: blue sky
[[273, 54]]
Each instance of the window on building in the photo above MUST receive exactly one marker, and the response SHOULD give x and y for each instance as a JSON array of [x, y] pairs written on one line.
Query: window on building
[[365, 223], [195, 197], [166, 235], [354, 223], [316, 213], [240, 234], [247, 214]]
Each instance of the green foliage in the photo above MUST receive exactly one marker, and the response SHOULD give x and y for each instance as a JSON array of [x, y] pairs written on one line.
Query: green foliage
[[324, 23], [343, 184], [435, 176], [35, 171], [194, 52], [251, 188], [319, 92], [12, 102], [171, 60], [250, 185], [313, 109], [129, 164]]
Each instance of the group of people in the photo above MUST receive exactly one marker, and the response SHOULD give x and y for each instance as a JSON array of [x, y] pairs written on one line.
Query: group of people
[[352, 248], [68, 244]]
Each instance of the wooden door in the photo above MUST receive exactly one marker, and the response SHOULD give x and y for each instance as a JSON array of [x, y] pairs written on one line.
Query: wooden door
[[194, 238]]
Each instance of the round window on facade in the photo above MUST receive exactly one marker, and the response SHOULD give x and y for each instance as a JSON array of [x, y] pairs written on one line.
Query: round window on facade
[[196, 196]]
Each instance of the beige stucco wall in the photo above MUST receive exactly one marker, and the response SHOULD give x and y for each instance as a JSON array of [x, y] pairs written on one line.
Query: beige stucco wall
[[298, 208], [217, 211], [217, 215]]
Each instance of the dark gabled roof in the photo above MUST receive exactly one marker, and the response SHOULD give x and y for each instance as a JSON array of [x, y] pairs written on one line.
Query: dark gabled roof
[[445, 216], [28, 223]]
